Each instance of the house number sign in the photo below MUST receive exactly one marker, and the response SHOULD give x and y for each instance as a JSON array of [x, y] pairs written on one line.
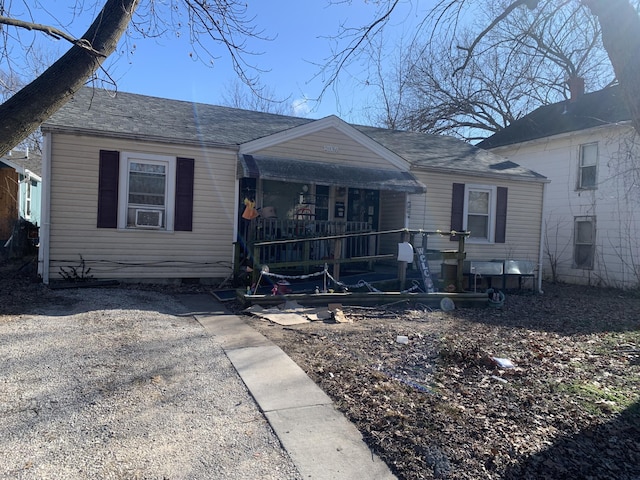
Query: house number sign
[[331, 148]]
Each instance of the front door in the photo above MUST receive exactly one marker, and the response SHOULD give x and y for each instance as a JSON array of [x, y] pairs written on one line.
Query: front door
[[364, 206]]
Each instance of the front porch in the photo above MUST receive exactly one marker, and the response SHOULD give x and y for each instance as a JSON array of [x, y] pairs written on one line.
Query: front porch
[[371, 254], [297, 215]]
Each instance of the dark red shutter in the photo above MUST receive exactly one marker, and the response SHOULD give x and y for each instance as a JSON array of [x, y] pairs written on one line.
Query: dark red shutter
[[184, 195], [108, 175], [457, 209], [501, 215]]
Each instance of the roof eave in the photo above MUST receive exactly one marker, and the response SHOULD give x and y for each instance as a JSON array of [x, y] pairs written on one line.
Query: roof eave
[[503, 176], [138, 137], [560, 136]]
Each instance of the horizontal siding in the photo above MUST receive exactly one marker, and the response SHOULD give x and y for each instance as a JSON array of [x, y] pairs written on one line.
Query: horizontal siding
[[312, 147], [392, 217], [614, 204], [205, 252], [432, 212]]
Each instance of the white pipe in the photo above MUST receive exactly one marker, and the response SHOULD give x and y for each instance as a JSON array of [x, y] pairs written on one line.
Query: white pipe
[[45, 211]]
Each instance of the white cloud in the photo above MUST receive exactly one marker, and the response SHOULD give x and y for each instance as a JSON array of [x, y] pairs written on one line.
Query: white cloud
[[301, 107]]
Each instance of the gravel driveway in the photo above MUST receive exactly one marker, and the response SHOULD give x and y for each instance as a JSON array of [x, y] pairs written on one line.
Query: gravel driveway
[[116, 384]]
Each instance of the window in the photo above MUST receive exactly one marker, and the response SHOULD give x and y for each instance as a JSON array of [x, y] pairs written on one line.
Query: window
[[146, 206], [146, 192], [478, 213], [27, 198], [481, 210], [584, 242], [588, 166], [322, 202]]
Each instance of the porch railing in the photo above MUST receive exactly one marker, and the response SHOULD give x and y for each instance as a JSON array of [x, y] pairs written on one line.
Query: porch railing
[[311, 240], [362, 247]]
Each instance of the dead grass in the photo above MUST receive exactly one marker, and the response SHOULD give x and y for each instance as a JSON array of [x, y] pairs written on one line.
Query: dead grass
[[439, 407]]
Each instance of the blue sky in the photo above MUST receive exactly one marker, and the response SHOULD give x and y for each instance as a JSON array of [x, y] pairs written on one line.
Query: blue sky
[[162, 67]]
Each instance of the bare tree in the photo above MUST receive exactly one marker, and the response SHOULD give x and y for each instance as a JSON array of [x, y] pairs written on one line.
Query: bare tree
[[217, 22], [618, 22], [525, 63], [257, 98]]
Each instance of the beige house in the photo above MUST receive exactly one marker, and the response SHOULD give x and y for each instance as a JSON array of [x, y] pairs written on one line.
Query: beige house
[[143, 188]]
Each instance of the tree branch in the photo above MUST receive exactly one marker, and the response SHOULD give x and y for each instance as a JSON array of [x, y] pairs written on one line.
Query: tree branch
[[26, 110], [345, 54], [51, 31], [482, 34]]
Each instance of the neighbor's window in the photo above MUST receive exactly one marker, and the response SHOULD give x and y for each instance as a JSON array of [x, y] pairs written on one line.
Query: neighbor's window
[[584, 242], [479, 217], [148, 197], [588, 166], [27, 206]]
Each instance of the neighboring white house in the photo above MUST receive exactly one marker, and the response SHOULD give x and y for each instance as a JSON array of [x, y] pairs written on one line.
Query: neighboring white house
[[589, 150]]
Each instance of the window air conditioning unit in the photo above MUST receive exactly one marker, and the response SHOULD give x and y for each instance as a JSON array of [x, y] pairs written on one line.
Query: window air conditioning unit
[[148, 218]]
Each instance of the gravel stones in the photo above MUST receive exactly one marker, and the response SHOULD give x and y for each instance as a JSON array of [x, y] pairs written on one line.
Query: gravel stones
[[116, 384]]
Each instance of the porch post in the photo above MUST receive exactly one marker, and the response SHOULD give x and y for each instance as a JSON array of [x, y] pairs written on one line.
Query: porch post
[[461, 255], [337, 253], [402, 266], [306, 254], [257, 267]]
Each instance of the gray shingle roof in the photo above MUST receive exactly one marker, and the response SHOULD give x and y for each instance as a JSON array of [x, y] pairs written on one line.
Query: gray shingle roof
[[31, 161], [100, 111], [589, 110], [424, 151], [96, 111]]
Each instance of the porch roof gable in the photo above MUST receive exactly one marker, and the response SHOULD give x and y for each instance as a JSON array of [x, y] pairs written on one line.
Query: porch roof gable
[[302, 171]]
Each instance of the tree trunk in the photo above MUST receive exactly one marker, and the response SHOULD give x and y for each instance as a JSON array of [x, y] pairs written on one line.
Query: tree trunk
[[25, 111], [620, 25]]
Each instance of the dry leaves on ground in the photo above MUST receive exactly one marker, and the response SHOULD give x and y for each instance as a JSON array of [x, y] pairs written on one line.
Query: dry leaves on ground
[[441, 406]]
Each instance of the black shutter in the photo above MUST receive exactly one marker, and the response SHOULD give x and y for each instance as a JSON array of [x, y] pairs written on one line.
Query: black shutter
[[184, 195], [108, 175], [457, 209], [501, 215]]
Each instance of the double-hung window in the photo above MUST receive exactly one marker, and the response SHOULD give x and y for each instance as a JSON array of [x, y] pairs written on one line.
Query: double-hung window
[[480, 212], [147, 199], [584, 242], [587, 171]]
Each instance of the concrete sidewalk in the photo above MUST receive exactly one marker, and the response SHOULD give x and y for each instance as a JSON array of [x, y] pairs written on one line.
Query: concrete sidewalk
[[322, 443]]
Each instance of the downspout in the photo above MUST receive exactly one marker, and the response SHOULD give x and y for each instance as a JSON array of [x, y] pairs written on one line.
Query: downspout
[[45, 212], [236, 215], [542, 233]]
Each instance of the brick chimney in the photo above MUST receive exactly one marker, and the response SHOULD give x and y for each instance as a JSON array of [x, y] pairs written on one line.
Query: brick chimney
[[576, 88]]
